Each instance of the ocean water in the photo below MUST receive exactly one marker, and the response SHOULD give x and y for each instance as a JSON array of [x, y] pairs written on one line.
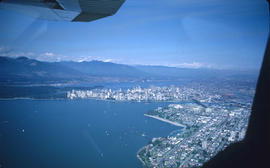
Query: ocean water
[[76, 133]]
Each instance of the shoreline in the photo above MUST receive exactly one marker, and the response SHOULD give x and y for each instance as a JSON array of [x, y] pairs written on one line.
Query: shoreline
[[165, 120], [132, 101], [138, 156], [141, 160]]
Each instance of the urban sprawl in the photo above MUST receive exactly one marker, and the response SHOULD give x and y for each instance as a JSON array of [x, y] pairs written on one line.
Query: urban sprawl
[[208, 119]]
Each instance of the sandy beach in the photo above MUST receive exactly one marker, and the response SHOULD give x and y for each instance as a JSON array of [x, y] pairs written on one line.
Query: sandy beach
[[167, 121]]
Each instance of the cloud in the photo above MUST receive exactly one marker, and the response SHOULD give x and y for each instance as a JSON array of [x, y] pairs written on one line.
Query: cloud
[[50, 57], [48, 54], [9, 52], [4, 50], [107, 60], [55, 57], [13, 53], [195, 65], [190, 65], [92, 58], [84, 58]]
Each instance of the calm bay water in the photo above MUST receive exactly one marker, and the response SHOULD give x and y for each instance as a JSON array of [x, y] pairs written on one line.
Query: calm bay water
[[77, 133]]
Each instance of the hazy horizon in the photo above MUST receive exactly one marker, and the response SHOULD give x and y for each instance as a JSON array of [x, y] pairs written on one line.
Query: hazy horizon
[[184, 65]]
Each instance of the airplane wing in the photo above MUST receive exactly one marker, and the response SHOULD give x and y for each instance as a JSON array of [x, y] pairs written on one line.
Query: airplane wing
[[66, 10]]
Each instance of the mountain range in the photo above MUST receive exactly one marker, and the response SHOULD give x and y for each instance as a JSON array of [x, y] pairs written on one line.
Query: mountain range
[[25, 71]]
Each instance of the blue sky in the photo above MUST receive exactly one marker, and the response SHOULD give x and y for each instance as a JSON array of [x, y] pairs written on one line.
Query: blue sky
[[184, 33]]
